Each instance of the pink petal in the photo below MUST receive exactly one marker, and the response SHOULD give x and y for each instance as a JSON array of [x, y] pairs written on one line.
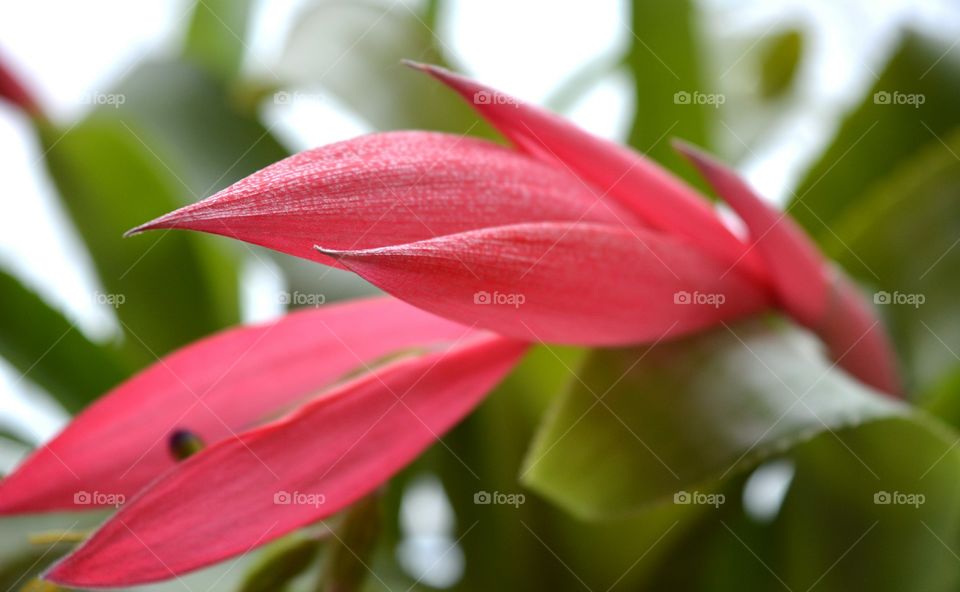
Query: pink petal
[[385, 189], [223, 501], [587, 284], [806, 285], [661, 200], [14, 91], [856, 338], [797, 270], [213, 388]]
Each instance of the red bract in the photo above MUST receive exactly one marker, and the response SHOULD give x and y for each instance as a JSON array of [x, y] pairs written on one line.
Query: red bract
[[14, 91], [563, 238]]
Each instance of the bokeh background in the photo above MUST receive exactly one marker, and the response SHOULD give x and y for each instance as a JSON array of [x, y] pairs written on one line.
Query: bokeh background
[[159, 103]]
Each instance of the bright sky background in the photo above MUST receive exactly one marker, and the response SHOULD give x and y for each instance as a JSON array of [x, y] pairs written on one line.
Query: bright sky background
[[68, 50]]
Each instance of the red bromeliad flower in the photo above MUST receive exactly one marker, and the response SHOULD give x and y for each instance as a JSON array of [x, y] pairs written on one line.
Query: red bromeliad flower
[[562, 238]]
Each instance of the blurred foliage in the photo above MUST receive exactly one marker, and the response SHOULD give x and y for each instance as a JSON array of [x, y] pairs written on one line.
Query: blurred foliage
[[595, 443], [48, 349], [378, 36], [111, 181], [215, 36], [641, 424], [917, 203], [664, 60], [779, 64], [913, 103]]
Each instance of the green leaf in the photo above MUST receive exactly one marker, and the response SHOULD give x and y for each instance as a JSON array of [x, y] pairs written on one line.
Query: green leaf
[[645, 424], [484, 454], [779, 63], [883, 131], [347, 558], [215, 37], [48, 349], [194, 125], [902, 240], [281, 563], [369, 78], [884, 495], [167, 288], [664, 61]]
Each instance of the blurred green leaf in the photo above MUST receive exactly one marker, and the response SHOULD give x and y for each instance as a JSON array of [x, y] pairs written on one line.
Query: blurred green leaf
[[903, 240], [194, 125], [559, 552], [873, 508], [48, 349], [21, 560], [281, 563], [643, 425], [346, 566], [664, 60], [779, 63], [913, 103], [215, 37], [168, 288], [353, 50]]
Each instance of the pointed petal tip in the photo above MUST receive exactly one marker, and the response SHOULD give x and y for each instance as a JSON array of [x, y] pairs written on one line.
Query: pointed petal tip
[[169, 220], [335, 253], [423, 66], [695, 154]]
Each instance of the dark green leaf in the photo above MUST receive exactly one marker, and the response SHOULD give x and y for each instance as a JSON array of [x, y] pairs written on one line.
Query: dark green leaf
[[48, 349], [913, 102], [902, 239], [168, 288]]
